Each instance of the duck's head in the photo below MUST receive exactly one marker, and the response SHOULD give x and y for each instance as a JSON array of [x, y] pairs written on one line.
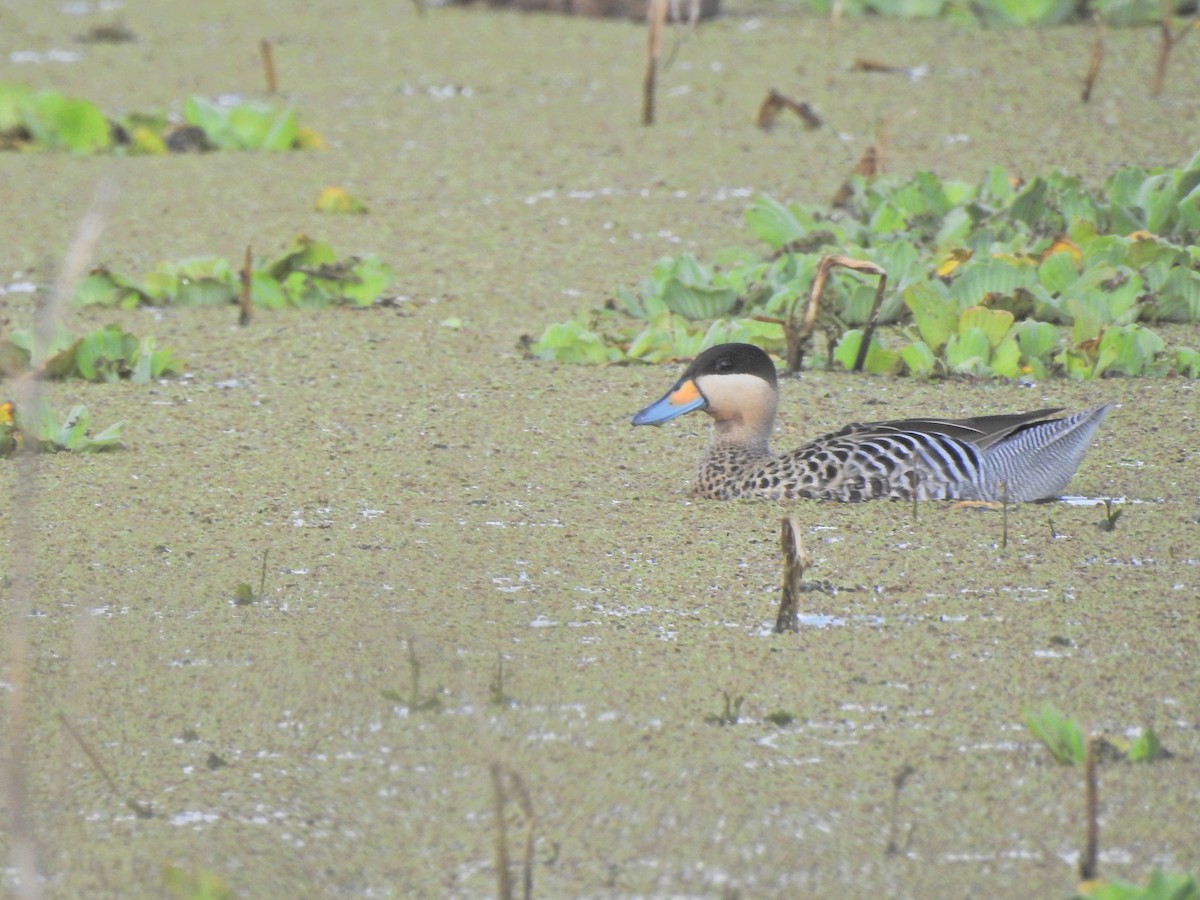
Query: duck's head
[[733, 383]]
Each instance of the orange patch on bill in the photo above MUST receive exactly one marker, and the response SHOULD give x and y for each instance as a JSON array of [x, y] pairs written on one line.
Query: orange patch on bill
[[685, 393]]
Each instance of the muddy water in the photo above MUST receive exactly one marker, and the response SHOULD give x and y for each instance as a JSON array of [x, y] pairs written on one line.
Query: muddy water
[[429, 502]]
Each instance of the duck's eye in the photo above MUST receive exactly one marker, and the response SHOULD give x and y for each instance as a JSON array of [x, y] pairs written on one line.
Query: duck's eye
[[724, 364]]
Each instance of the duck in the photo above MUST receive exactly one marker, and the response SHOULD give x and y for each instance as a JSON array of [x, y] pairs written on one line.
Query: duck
[[996, 458]]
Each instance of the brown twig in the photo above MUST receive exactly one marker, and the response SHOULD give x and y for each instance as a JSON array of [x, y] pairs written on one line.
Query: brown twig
[[1169, 40], [868, 165], [268, 61], [141, 810], [1097, 58], [794, 562], [500, 792], [873, 318], [797, 334], [656, 16], [245, 302], [894, 847], [775, 102], [1088, 860], [862, 64]]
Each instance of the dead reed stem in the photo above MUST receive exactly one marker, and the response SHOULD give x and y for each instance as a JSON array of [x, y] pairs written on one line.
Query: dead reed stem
[[656, 17], [268, 61], [1169, 39], [1097, 58], [14, 774], [794, 562], [1088, 865], [245, 302], [798, 333], [505, 780]]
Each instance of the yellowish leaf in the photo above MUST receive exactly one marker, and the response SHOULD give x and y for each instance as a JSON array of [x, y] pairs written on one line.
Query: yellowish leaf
[[338, 200], [952, 261]]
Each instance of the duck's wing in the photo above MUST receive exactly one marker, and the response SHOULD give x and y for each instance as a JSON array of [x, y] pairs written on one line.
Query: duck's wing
[[982, 431]]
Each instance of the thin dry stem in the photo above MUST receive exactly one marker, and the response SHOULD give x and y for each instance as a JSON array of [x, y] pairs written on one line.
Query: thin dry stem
[[794, 562], [775, 103], [1097, 59], [245, 302], [1088, 865], [1169, 39], [504, 780], [140, 810], [798, 334], [14, 775], [656, 16], [268, 61]]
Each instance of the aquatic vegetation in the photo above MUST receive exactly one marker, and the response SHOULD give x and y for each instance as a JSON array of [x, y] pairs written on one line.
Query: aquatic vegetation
[[497, 696], [999, 279], [49, 432], [338, 200], [244, 595], [731, 713], [307, 273], [108, 354], [49, 120], [1062, 736], [414, 701], [194, 884], [1065, 740], [1161, 886]]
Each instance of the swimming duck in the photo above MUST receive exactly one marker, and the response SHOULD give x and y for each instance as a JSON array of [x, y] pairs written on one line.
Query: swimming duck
[[1025, 456]]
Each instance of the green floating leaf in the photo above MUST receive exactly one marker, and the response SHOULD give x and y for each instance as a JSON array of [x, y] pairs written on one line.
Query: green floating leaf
[[257, 127], [936, 314], [1129, 350], [1036, 340], [1062, 736], [967, 352], [1178, 298], [774, 223], [1161, 886], [15, 102], [48, 433], [879, 361], [1146, 747], [338, 200], [994, 323], [983, 278], [1030, 205], [571, 342], [697, 301], [1057, 272], [918, 358], [1187, 362], [1006, 359], [64, 123]]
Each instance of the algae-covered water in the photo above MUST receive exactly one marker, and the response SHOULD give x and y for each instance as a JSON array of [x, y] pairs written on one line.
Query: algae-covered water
[[430, 502]]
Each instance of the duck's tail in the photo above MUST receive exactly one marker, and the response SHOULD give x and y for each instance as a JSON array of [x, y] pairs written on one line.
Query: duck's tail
[[1036, 462]]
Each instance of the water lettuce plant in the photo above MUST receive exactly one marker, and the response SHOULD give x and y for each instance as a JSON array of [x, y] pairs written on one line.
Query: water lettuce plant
[[48, 432], [108, 354], [49, 120], [307, 273], [1001, 278], [1161, 886]]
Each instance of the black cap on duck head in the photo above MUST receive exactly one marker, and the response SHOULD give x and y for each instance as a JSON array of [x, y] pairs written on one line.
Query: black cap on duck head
[[686, 395]]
